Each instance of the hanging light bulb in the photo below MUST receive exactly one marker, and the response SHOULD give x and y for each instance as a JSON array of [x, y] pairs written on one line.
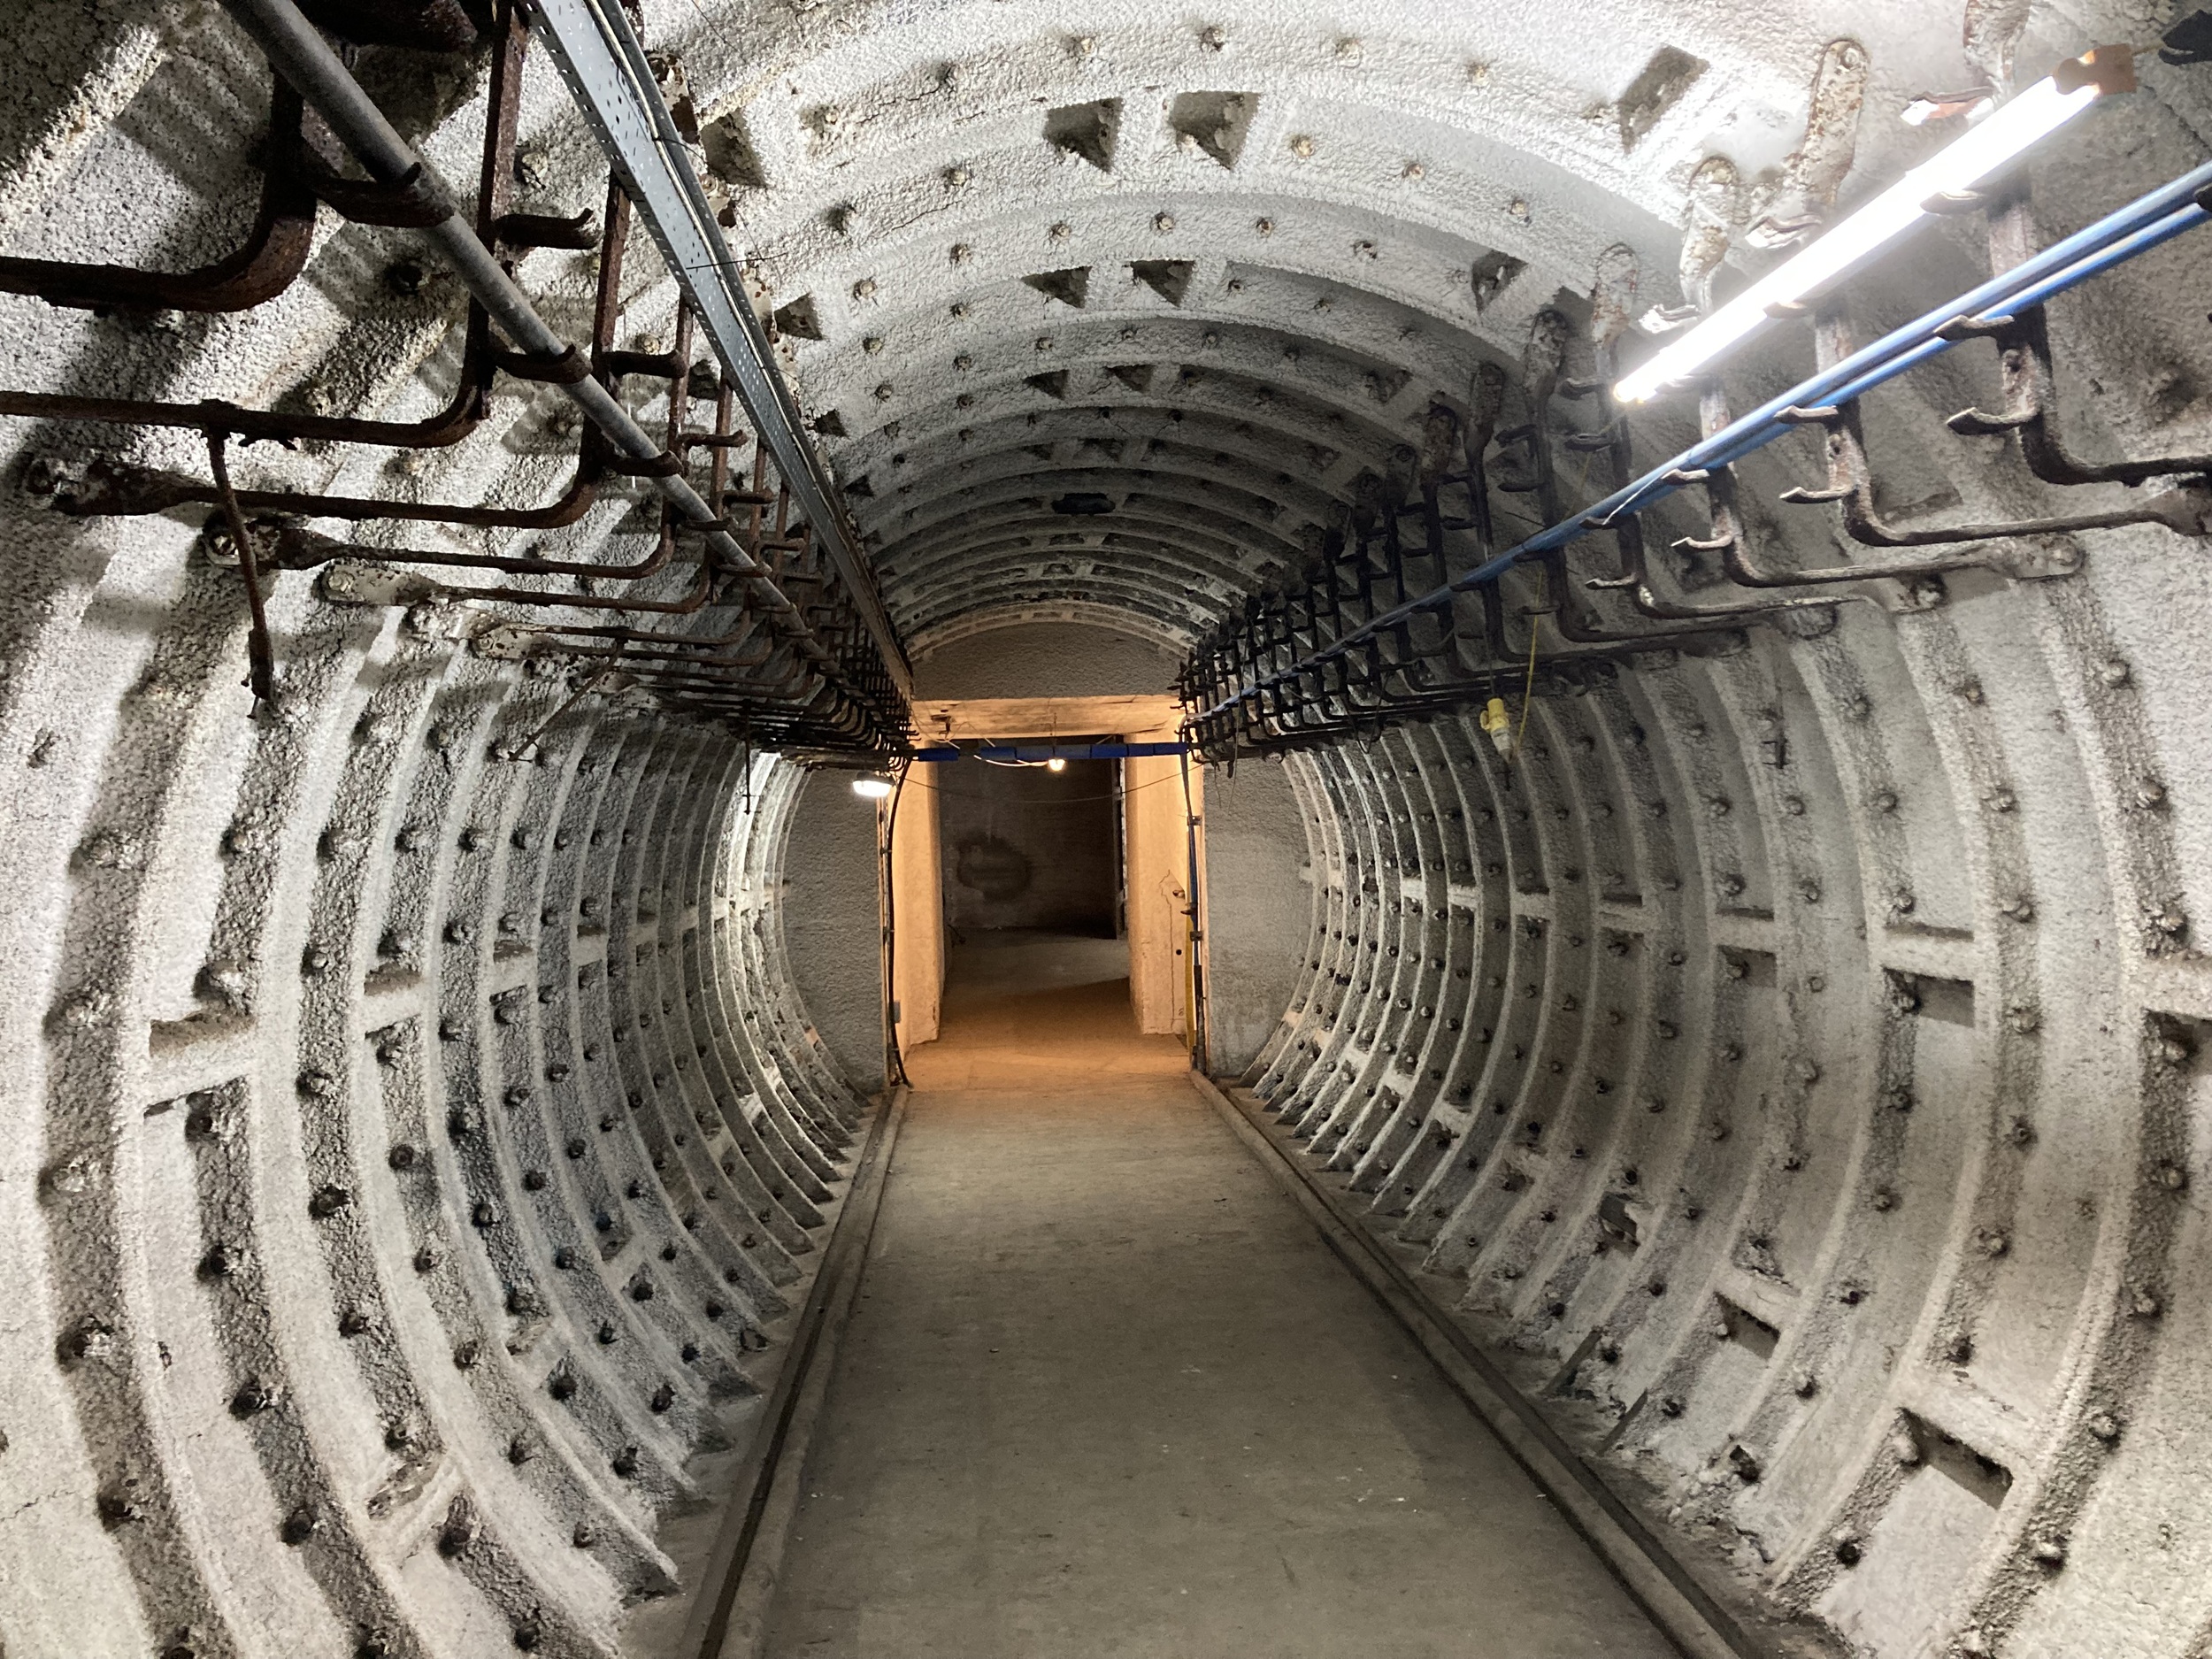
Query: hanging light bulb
[[869, 786], [1057, 763], [1950, 174]]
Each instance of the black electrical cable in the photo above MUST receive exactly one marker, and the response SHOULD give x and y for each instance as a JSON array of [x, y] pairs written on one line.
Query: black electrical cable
[[896, 1070], [1197, 932]]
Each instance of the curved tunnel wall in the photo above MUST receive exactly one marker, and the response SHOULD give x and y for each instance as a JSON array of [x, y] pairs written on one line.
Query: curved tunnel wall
[[1790, 1062], [1794, 1059], [420, 1145]]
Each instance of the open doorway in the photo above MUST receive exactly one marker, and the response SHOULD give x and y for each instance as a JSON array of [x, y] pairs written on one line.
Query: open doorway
[[993, 862], [1031, 872]]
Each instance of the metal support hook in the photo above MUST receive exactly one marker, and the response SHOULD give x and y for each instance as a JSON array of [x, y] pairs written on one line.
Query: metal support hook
[[260, 653]]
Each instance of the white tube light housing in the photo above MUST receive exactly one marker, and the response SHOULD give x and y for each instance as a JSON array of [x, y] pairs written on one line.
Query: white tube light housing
[[868, 787], [1950, 174], [1973, 104]]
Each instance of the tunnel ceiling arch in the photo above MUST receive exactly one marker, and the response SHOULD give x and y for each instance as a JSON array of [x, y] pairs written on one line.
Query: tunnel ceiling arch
[[1208, 272]]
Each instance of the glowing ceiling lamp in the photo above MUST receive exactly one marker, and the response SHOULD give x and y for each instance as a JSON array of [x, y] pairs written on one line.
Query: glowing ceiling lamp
[[2000, 135], [868, 787], [1057, 763]]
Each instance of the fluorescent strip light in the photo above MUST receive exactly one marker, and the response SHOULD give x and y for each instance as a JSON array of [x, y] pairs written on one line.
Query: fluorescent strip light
[[1996, 140]]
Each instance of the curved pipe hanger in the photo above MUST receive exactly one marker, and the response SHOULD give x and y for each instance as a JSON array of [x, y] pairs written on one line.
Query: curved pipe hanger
[[604, 64], [2142, 225], [304, 58]]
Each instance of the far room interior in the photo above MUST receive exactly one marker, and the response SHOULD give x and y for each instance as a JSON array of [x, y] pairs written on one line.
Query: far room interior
[[1083, 860]]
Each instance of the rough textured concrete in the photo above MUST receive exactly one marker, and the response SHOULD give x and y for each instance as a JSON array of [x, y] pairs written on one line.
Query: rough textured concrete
[[1260, 898], [831, 924], [1045, 660], [1106, 1391], [1803, 1047]]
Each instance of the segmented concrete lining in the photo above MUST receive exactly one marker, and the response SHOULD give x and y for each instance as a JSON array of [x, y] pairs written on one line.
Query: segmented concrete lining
[[425, 1104]]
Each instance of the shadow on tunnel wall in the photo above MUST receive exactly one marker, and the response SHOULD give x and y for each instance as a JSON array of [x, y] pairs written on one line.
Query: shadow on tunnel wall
[[1026, 847]]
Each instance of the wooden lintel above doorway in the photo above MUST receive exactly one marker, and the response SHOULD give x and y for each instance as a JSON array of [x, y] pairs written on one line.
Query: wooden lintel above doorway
[[1151, 716]]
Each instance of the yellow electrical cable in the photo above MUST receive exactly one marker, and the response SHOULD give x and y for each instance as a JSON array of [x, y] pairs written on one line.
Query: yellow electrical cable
[[1528, 686]]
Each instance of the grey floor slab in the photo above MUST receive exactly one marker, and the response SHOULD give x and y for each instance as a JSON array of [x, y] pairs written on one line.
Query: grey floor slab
[[1106, 1393]]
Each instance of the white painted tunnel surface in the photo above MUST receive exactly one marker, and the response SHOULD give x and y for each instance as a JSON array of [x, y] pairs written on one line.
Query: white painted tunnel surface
[[429, 1104]]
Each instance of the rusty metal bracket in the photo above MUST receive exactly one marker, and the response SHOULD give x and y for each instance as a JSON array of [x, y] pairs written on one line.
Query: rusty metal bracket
[[667, 463], [578, 234], [268, 262], [565, 367], [115, 488], [289, 189], [698, 598], [410, 203], [2030, 380], [260, 653], [463, 413], [1851, 486], [841, 692]]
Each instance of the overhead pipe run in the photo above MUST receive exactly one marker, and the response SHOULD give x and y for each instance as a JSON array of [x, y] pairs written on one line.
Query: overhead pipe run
[[605, 66], [1214, 697], [300, 53]]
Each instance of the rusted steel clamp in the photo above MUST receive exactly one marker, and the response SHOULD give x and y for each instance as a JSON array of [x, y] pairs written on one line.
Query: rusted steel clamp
[[667, 463], [570, 368], [412, 202]]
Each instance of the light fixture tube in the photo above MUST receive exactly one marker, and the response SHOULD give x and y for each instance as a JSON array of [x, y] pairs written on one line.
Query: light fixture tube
[[2000, 135], [868, 787]]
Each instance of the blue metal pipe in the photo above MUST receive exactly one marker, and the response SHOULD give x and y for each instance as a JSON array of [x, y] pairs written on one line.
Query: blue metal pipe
[[2142, 225], [2150, 236]]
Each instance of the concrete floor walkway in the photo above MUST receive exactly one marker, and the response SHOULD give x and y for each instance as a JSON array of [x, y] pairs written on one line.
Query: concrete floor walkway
[[1106, 1393]]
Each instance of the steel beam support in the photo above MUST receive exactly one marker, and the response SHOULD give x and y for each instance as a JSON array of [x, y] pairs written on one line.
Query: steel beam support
[[1050, 751]]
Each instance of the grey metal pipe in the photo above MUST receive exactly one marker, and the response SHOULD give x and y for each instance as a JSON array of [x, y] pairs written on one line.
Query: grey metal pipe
[[606, 65], [305, 59]]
